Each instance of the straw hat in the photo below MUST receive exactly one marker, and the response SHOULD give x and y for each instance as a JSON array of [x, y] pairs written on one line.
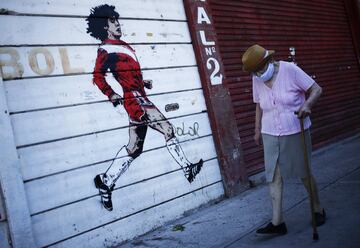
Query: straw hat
[[255, 57]]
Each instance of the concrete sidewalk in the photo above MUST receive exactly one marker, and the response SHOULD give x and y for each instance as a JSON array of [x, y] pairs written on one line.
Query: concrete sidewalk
[[231, 223]]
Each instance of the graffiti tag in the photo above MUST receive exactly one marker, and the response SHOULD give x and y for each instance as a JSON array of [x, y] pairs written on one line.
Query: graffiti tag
[[191, 131]]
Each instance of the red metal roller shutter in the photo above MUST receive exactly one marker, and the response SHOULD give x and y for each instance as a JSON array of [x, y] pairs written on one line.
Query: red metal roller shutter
[[320, 32]]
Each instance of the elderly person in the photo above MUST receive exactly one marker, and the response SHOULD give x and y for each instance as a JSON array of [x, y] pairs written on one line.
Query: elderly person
[[279, 90]]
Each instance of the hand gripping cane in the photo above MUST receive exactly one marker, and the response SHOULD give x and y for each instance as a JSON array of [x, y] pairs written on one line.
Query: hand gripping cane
[[308, 174]]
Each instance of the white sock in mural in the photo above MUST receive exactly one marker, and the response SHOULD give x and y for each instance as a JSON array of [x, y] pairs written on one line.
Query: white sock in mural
[[119, 165], [177, 153]]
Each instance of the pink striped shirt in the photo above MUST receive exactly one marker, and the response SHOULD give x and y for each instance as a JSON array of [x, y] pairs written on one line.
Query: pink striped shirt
[[279, 102]]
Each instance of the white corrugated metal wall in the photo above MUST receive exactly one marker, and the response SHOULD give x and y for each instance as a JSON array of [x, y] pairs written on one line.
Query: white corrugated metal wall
[[66, 131]]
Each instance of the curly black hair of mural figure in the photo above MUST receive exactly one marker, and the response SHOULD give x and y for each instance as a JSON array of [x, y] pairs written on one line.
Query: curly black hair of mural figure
[[98, 19]]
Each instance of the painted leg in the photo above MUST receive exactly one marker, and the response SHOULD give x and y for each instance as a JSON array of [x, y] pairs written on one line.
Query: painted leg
[[177, 153], [276, 191], [106, 182], [118, 166], [162, 125], [126, 155]]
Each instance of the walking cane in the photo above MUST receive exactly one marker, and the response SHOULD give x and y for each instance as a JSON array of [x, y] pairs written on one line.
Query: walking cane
[[308, 173]]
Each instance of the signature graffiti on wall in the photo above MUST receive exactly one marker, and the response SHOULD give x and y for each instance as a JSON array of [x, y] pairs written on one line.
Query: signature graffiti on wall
[[192, 131], [116, 57]]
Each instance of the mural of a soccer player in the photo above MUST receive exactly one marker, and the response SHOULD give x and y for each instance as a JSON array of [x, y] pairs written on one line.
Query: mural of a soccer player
[[119, 58]]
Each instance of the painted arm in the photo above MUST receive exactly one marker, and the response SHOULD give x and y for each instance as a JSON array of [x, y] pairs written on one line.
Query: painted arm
[[101, 67], [258, 116], [315, 92]]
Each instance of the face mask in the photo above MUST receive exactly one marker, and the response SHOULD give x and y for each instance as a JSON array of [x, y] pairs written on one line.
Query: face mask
[[267, 75]]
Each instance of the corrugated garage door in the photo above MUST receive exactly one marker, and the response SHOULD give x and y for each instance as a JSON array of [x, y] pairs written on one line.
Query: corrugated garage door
[[320, 33]]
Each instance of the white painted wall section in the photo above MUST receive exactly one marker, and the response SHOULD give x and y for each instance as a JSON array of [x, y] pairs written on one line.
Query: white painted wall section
[[64, 130]]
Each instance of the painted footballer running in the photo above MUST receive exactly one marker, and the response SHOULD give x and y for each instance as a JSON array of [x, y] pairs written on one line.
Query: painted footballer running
[[116, 56]]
